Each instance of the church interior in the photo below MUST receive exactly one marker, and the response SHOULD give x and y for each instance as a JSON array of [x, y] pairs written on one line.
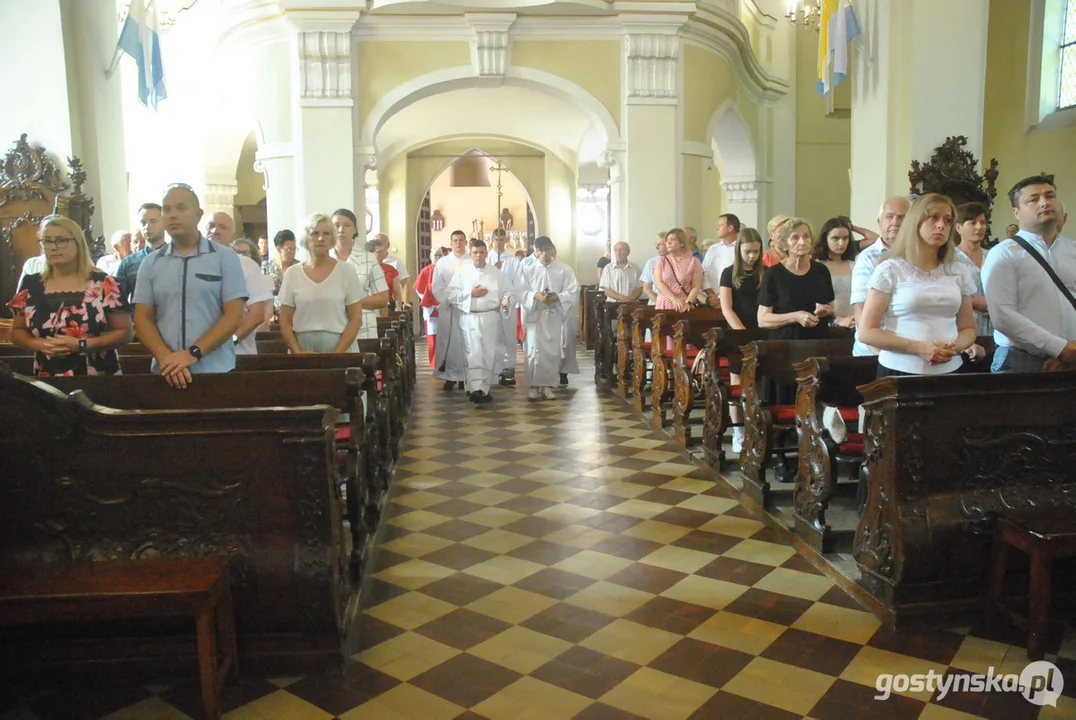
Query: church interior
[[701, 520]]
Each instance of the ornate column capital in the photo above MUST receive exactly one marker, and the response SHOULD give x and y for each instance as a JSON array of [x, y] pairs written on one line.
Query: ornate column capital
[[220, 194], [742, 191], [651, 58], [324, 45], [611, 160], [490, 44]]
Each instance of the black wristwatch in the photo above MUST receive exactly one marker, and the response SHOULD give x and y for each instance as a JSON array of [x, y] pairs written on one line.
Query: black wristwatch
[[83, 347], [195, 351]]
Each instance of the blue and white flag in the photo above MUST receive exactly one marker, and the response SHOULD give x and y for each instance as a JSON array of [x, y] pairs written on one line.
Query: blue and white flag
[[839, 26], [140, 40]]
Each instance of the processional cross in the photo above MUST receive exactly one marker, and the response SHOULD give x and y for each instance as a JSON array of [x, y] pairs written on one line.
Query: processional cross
[[499, 168]]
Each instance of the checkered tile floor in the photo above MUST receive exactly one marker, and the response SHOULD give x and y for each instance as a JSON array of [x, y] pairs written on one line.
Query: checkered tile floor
[[556, 559]]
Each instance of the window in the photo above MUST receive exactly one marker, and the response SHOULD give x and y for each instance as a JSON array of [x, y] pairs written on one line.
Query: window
[[1067, 86]]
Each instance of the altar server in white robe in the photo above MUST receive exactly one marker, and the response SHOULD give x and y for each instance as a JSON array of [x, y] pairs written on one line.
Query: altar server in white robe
[[550, 295], [449, 363], [511, 266], [482, 294]]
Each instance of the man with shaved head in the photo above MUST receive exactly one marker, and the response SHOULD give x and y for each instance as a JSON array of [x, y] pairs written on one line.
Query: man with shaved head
[[890, 217], [621, 280], [190, 296], [221, 230]]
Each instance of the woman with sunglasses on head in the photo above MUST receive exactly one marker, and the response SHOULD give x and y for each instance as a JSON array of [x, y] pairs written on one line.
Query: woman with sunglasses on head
[[70, 314]]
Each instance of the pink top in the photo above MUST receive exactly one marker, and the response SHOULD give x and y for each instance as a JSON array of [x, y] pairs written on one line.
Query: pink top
[[679, 276]]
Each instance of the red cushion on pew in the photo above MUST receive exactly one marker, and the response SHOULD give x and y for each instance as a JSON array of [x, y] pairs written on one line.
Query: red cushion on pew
[[849, 414], [646, 348], [784, 414], [343, 434], [723, 362], [736, 391], [853, 445], [692, 352]]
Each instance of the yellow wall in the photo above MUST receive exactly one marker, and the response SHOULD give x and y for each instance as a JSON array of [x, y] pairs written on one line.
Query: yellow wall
[[708, 82], [593, 65], [1019, 154], [823, 143], [383, 66]]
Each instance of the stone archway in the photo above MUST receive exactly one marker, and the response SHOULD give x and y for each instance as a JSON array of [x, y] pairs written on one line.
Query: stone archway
[[737, 162]]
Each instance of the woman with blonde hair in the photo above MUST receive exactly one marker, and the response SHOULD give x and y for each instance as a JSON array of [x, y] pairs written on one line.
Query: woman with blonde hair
[[774, 254], [70, 314], [320, 310], [796, 294], [923, 295], [677, 275]]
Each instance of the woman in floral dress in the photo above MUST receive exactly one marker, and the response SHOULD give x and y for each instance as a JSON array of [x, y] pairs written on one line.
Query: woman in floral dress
[[70, 314]]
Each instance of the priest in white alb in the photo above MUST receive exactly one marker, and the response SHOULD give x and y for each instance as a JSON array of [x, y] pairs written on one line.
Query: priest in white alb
[[550, 293], [482, 294], [449, 362], [510, 265]]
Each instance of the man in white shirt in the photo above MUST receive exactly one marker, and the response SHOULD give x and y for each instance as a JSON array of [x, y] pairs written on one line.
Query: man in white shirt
[[621, 279], [481, 294], [450, 362], [221, 230], [404, 277], [1034, 323], [719, 256], [647, 275], [32, 265], [121, 243], [890, 217], [550, 292], [366, 266]]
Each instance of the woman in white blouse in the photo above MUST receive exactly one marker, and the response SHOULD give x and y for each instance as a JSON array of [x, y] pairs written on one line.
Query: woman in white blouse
[[319, 299], [923, 296]]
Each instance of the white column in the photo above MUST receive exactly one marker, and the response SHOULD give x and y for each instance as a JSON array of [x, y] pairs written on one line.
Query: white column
[[611, 161], [653, 175], [743, 198], [220, 197], [324, 113], [901, 108]]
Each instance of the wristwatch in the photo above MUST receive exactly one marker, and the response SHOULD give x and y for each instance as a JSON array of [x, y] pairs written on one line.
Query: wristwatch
[[82, 346], [195, 351]]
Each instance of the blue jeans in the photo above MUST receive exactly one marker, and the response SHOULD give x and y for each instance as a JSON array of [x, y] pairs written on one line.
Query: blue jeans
[[1014, 360]]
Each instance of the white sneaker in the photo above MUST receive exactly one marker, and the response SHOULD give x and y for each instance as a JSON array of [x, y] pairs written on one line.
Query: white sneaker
[[533, 394], [547, 393], [737, 440]]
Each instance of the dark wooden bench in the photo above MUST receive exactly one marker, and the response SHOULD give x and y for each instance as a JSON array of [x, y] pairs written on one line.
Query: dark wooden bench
[[80, 482], [624, 353], [641, 321], [689, 341], [943, 456], [661, 358], [198, 588], [339, 387], [722, 350], [767, 362]]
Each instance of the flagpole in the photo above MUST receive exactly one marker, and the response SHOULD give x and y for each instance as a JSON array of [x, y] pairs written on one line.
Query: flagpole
[[115, 61]]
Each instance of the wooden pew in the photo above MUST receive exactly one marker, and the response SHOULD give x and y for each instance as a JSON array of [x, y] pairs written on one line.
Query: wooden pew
[[689, 341], [943, 454], [722, 350], [588, 296], [661, 384], [826, 382], [600, 327], [641, 321], [340, 388], [624, 353], [606, 354], [80, 483], [764, 362]]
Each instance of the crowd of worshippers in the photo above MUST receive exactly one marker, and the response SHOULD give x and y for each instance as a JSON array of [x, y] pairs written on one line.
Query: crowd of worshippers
[[195, 300], [918, 293]]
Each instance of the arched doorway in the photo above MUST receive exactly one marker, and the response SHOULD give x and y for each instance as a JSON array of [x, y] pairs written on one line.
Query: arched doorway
[[475, 192]]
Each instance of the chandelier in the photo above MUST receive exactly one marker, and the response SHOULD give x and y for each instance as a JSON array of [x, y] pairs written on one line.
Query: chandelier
[[805, 13], [167, 10]]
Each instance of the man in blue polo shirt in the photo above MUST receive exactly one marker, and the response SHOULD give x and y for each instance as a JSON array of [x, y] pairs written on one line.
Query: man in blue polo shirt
[[190, 296]]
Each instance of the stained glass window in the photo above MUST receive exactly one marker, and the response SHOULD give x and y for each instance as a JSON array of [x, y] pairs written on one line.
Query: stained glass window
[[1067, 87]]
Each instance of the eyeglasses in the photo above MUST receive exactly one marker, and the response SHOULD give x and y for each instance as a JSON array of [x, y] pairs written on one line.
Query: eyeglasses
[[59, 242]]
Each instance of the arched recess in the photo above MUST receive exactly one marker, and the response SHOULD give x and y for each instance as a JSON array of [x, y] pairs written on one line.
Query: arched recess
[[527, 225], [737, 162], [464, 77]]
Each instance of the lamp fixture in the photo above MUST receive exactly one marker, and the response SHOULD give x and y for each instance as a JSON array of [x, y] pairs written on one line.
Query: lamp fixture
[[805, 13]]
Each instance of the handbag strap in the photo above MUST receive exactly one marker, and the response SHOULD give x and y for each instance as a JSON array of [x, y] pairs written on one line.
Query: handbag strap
[[1046, 266], [676, 277]]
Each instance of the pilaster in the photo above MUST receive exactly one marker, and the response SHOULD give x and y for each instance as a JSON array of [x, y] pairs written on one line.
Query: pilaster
[[490, 44], [743, 201]]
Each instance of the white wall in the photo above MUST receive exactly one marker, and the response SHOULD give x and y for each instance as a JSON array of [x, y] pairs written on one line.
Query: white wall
[[34, 78]]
